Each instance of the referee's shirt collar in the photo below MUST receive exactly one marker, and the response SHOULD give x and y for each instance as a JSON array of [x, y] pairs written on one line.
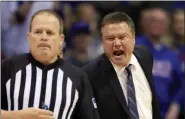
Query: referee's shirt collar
[[42, 66]]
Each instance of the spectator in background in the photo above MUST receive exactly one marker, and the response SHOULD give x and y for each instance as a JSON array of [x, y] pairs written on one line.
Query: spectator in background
[[80, 37], [178, 40], [178, 32], [13, 37], [166, 69], [8, 34], [87, 13], [144, 21]]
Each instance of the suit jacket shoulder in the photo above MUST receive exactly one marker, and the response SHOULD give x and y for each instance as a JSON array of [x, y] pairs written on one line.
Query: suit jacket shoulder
[[143, 53]]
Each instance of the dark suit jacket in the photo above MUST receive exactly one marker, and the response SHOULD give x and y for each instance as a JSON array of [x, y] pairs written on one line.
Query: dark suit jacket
[[107, 89]]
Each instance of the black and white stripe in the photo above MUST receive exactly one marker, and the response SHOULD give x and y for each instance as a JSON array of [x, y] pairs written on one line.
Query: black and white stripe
[[32, 86]]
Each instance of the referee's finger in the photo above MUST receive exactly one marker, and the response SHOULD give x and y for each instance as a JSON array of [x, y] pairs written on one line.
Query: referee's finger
[[46, 117], [46, 112]]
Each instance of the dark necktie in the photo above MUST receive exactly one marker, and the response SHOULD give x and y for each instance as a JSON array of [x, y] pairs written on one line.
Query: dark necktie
[[131, 95]]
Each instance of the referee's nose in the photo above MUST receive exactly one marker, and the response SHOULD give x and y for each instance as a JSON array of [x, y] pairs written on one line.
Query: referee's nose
[[44, 36]]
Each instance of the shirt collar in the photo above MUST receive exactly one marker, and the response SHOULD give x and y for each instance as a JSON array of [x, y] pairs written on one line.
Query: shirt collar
[[120, 69], [42, 66]]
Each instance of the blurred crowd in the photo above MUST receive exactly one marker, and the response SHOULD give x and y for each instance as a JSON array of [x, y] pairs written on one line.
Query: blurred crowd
[[159, 26]]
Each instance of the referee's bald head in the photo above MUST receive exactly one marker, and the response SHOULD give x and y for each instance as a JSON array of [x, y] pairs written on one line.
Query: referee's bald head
[[49, 12]]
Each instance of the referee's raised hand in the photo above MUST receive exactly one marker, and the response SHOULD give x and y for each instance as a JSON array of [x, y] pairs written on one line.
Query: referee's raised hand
[[29, 113]]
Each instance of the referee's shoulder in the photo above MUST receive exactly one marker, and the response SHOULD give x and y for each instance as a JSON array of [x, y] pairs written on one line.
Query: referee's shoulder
[[15, 59], [73, 70]]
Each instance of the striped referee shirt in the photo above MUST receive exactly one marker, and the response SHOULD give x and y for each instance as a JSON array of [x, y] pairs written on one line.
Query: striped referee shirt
[[25, 82]]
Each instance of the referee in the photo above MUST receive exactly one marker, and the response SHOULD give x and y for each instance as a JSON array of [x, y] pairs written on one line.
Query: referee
[[40, 85]]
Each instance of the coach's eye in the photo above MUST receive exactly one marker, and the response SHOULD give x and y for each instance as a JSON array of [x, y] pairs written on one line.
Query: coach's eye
[[122, 38], [110, 39]]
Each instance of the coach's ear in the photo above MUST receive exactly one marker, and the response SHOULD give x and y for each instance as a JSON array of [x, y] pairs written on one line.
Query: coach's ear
[[29, 37], [61, 41], [133, 36]]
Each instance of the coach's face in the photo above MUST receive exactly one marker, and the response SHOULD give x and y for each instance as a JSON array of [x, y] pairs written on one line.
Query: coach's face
[[44, 38], [118, 42]]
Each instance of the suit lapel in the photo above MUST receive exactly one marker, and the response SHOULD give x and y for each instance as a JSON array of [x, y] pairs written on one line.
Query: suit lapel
[[110, 75], [145, 68], [119, 93]]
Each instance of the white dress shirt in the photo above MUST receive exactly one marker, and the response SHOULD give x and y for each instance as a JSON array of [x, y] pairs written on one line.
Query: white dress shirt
[[142, 88]]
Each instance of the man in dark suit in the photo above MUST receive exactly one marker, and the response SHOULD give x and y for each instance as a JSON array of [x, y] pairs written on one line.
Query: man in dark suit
[[122, 76]]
